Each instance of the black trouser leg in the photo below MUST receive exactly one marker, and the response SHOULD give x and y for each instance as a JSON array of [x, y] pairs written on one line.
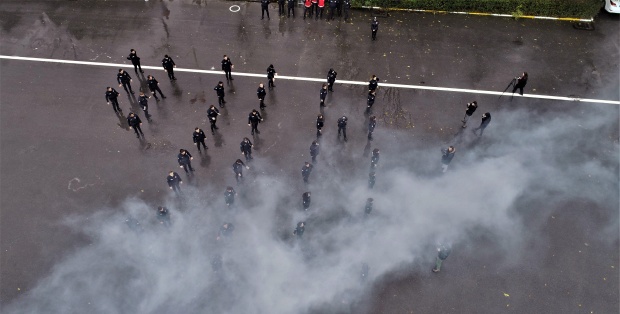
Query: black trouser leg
[[135, 129], [330, 86], [220, 100], [135, 67], [213, 127], [160, 93], [115, 105], [138, 128], [291, 9], [140, 67], [344, 132], [318, 133], [346, 14]]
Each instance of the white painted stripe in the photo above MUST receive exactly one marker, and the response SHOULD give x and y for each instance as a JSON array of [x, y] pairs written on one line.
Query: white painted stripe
[[311, 79]]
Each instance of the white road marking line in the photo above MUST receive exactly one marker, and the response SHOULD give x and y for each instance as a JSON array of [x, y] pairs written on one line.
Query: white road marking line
[[310, 79]]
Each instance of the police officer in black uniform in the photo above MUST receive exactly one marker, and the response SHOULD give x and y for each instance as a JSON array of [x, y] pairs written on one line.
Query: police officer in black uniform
[[174, 180], [163, 216], [212, 113], [333, 5], [238, 169], [486, 119], [124, 80], [291, 8], [199, 138], [342, 127], [299, 230], [227, 67], [281, 7], [314, 150], [370, 101], [143, 100], [261, 93], [154, 87], [306, 170], [374, 27], [305, 200], [185, 160], [368, 207], [219, 89], [111, 96], [264, 4], [446, 157], [373, 83], [271, 74], [372, 123], [254, 118], [229, 196], [521, 82], [322, 95], [471, 108], [374, 159], [226, 231], [371, 180], [331, 79], [134, 122], [320, 122], [246, 148], [135, 60], [169, 66], [346, 5]]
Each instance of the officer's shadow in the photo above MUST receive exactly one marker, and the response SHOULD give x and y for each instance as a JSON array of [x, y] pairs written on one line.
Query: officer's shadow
[[133, 103], [122, 121], [258, 142], [205, 159], [176, 91], [266, 30], [367, 149], [218, 140], [143, 84]]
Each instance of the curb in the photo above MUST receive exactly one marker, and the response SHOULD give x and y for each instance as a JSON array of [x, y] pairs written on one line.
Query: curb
[[571, 19]]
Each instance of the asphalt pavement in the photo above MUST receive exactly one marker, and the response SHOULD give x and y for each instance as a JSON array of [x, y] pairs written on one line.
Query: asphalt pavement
[[65, 153]]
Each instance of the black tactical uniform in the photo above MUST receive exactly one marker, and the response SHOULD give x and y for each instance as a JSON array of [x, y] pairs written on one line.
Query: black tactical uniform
[[346, 5], [342, 127], [521, 82], [261, 93], [229, 196], [246, 148], [226, 231], [322, 95], [333, 5], [174, 180], [238, 169], [254, 118], [281, 7], [124, 79], [331, 79], [154, 87], [486, 119], [372, 123], [199, 138], [227, 68], [374, 27], [368, 207], [370, 101], [446, 157], [143, 100], [314, 150], [163, 216], [320, 122], [374, 159], [185, 160], [371, 180], [264, 4], [134, 121], [373, 83], [212, 113], [219, 89], [111, 96], [299, 230], [471, 108], [169, 65], [271, 74], [305, 171], [305, 199], [291, 8], [135, 60]]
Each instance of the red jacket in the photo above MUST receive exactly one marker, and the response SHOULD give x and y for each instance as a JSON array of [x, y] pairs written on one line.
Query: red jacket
[[308, 3], [321, 3]]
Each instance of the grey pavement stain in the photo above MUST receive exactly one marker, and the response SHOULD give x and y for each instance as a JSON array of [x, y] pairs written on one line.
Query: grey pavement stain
[[74, 185]]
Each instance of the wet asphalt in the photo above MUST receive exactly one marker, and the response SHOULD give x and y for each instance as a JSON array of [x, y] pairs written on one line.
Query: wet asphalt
[[64, 151]]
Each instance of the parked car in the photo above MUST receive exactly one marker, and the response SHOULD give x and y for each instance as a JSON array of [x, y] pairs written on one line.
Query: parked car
[[612, 6]]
